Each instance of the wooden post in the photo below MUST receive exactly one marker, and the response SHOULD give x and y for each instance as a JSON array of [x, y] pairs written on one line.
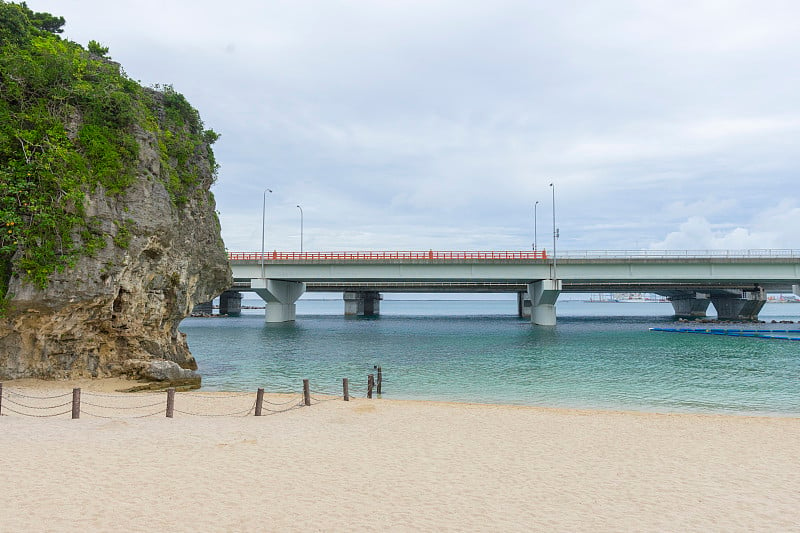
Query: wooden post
[[370, 384], [76, 403], [306, 393], [170, 402], [380, 380], [259, 401], [345, 389]]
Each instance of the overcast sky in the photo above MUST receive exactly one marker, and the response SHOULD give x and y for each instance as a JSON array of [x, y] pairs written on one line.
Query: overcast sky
[[438, 124]]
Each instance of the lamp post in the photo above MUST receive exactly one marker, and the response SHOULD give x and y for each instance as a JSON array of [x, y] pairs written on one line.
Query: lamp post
[[263, 225], [555, 231], [535, 205], [301, 228]]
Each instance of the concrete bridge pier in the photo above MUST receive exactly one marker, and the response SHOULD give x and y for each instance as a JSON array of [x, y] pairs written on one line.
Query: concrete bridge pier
[[362, 303], [740, 306], [524, 304], [796, 290], [230, 303], [280, 297], [544, 294], [690, 305]]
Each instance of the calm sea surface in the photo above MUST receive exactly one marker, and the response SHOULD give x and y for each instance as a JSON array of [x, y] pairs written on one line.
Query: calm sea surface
[[599, 355]]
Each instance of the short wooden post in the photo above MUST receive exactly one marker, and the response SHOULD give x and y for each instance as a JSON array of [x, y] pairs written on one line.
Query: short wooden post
[[380, 380], [1, 397], [370, 384], [170, 402], [345, 389], [76, 403], [259, 401], [306, 393]]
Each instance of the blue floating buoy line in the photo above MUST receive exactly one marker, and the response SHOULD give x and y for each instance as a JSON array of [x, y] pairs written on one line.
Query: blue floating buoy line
[[758, 333]]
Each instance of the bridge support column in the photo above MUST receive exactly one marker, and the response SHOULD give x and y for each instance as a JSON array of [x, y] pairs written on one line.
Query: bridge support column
[[280, 297], [544, 294], [690, 305], [230, 303], [744, 306], [204, 308], [796, 290], [362, 303], [524, 304]]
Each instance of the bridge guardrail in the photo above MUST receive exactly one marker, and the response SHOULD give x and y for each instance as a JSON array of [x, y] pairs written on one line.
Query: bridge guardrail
[[676, 254], [385, 256], [511, 255]]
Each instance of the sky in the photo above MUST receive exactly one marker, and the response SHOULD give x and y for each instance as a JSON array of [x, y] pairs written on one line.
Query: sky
[[425, 124]]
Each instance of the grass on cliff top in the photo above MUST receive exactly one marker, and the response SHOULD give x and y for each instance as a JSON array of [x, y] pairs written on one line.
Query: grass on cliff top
[[68, 117]]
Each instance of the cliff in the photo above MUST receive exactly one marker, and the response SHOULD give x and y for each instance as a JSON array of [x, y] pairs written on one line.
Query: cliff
[[110, 230]]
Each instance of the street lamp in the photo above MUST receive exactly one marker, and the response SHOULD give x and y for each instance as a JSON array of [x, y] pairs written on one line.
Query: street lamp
[[534, 224], [301, 228], [263, 224], [555, 231]]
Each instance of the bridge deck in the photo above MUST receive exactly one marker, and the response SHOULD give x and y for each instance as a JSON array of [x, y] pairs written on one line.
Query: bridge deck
[[511, 271]]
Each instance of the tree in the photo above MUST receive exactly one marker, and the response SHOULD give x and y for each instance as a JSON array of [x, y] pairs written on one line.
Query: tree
[[13, 25], [44, 21], [97, 49]]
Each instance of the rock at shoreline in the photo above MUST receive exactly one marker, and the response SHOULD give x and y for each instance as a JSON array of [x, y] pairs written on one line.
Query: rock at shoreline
[[161, 374]]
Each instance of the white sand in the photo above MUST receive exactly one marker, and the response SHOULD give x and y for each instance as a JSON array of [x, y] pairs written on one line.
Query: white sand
[[396, 466]]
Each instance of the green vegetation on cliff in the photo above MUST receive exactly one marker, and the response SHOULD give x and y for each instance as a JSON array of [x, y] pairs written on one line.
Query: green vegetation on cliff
[[69, 123]]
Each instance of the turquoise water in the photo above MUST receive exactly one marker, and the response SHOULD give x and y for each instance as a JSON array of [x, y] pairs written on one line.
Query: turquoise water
[[598, 356]]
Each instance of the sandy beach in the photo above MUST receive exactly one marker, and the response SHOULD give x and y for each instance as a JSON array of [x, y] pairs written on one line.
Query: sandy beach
[[388, 465]]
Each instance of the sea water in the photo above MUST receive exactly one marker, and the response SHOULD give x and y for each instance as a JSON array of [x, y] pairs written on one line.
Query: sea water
[[599, 355]]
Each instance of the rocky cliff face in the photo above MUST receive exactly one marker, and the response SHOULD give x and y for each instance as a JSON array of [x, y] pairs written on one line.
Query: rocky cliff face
[[117, 312]]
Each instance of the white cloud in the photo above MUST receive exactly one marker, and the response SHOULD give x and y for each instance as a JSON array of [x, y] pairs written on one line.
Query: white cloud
[[698, 234], [777, 226], [438, 124]]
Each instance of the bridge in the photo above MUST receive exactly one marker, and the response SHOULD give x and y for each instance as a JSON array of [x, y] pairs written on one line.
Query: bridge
[[735, 282]]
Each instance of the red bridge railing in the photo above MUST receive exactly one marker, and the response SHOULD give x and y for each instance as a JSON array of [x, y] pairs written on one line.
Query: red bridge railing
[[429, 255]]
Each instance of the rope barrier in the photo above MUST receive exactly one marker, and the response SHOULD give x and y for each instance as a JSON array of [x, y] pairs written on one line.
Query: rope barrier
[[9, 400], [235, 413], [216, 396], [159, 412], [281, 403], [124, 395], [124, 407], [15, 393], [276, 411], [293, 402], [5, 408], [318, 400]]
